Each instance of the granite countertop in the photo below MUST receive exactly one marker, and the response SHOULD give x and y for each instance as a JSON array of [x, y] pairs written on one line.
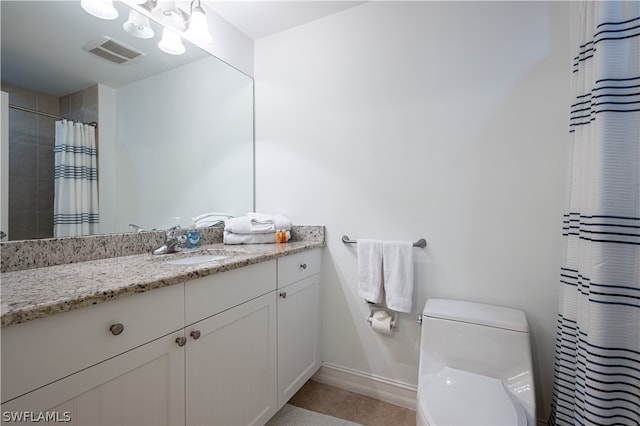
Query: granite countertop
[[36, 293]]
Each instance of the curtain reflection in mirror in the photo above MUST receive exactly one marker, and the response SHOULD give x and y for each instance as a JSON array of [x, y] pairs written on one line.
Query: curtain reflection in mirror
[[76, 180]]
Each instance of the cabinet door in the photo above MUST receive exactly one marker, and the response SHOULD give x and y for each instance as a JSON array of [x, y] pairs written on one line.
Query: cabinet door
[[299, 335], [36, 353], [231, 365], [144, 386]]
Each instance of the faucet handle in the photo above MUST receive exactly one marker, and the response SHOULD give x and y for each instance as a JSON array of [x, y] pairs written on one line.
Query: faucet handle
[[171, 232]]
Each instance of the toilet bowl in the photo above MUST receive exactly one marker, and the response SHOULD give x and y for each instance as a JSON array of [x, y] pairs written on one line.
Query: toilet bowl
[[477, 400], [475, 366]]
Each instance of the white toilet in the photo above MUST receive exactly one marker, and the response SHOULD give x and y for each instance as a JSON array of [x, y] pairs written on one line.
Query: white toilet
[[475, 366]]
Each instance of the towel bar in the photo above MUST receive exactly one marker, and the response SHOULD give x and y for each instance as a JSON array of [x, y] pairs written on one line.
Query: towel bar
[[422, 243]]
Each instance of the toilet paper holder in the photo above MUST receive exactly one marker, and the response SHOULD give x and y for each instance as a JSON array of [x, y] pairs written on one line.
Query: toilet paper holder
[[392, 314]]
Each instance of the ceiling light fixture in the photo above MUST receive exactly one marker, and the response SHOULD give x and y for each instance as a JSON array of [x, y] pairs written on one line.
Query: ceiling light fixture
[[198, 26], [176, 21], [102, 9], [138, 25], [171, 43]]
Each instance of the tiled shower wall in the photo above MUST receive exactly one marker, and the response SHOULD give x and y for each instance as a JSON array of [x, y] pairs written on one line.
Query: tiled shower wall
[[81, 105], [31, 163], [31, 156]]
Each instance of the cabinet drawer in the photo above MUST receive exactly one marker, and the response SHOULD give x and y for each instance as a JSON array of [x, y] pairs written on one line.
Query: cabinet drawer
[[298, 266], [41, 351], [142, 386], [210, 295]]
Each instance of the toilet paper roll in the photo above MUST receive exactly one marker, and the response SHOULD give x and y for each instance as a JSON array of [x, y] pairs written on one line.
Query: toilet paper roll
[[381, 323]]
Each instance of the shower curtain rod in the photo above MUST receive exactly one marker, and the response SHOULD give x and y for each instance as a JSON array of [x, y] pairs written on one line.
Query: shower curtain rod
[[46, 114]]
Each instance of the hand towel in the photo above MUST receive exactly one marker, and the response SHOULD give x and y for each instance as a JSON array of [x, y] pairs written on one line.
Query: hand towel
[[209, 219], [260, 217], [263, 238], [212, 215], [245, 225], [238, 225], [207, 223], [261, 222], [397, 258], [370, 270]]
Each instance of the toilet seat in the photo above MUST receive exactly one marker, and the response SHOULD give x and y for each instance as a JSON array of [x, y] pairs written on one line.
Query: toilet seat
[[456, 397]]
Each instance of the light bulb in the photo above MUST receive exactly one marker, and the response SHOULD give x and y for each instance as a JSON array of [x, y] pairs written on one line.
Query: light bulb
[[102, 9], [198, 26], [171, 43], [138, 25]]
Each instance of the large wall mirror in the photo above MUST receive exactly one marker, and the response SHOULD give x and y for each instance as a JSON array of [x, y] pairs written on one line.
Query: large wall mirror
[[174, 132]]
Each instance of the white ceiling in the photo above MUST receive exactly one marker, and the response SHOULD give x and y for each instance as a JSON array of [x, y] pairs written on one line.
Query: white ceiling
[[42, 40], [257, 19], [41, 48]]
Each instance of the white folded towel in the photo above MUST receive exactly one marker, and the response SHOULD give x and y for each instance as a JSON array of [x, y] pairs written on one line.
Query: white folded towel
[[211, 215], [258, 225], [209, 219], [208, 223], [397, 258], [370, 270], [261, 217], [267, 222], [256, 238]]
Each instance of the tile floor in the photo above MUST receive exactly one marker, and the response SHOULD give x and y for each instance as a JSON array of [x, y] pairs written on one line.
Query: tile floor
[[349, 406]]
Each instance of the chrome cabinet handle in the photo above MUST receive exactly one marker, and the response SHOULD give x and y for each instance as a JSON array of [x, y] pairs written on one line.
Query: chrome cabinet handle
[[283, 294], [116, 329], [181, 341], [195, 334], [303, 266]]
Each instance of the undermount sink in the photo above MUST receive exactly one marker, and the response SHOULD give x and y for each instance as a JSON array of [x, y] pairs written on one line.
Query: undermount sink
[[193, 260], [194, 257]]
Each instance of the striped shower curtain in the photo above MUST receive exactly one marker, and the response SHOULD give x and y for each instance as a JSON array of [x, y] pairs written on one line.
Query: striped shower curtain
[[597, 360], [75, 210]]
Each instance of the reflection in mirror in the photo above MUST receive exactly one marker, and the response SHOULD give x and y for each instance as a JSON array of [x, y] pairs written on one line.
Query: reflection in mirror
[[174, 135]]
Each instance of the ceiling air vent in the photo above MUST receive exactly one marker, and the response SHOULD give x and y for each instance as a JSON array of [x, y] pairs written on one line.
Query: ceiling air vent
[[113, 50]]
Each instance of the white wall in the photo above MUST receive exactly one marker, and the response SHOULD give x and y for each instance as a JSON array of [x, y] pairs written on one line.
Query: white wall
[[107, 160], [229, 44], [184, 145], [442, 120]]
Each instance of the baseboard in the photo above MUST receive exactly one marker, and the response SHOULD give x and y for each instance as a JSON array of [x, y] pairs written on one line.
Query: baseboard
[[386, 390]]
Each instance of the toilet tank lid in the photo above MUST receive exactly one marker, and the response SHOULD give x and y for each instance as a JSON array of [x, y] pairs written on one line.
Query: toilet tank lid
[[477, 313]]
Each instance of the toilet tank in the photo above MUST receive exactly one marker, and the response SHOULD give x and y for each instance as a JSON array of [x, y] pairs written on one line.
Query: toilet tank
[[485, 339]]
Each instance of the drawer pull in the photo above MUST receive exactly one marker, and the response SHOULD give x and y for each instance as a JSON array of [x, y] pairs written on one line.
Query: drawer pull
[[303, 266], [181, 341], [195, 334], [116, 329], [283, 294]]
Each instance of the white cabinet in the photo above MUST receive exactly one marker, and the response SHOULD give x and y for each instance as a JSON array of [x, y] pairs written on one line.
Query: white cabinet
[[144, 386], [231, 367], [231, 362], [36, 353], [210, 295], [299, 321], [227, 349]]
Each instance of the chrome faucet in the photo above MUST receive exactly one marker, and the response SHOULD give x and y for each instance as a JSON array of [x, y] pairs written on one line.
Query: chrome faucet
[[171, 242], [136, 228]]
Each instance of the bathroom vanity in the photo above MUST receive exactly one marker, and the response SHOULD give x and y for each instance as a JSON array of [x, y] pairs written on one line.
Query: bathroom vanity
[[139, 340]]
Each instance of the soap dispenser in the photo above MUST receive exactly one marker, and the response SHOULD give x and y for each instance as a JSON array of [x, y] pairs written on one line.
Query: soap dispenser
[[193, 236]]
